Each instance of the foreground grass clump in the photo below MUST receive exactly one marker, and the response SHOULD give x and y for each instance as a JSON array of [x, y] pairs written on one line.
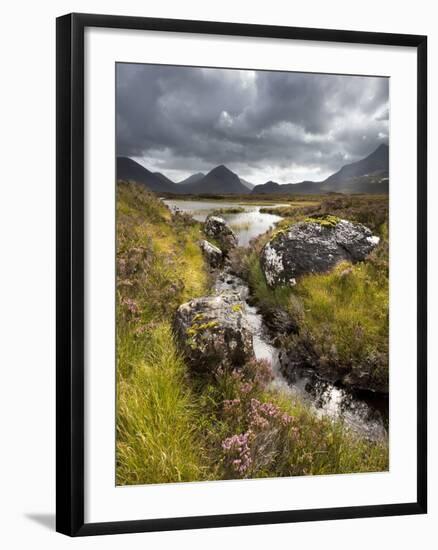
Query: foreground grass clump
[[159, 266], [348, 309], [156, 413]]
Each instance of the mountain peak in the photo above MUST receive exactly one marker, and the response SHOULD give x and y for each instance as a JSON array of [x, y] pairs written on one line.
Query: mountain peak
[[220, 170], [375, 164], [130, 170], [221, 180]]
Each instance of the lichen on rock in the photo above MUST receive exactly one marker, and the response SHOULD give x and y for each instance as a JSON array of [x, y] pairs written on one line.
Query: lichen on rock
[[212, 332]]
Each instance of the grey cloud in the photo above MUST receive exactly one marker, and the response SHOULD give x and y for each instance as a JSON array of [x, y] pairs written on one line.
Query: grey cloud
[[290, 126]]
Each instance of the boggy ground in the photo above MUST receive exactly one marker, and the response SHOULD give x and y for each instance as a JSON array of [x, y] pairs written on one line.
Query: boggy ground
[[174, 425]]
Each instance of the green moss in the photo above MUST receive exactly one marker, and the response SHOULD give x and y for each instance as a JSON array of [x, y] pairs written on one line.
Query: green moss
[[197, 328], [198, 317], [325, 221]]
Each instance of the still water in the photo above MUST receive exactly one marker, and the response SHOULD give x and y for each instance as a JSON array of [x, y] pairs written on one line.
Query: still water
[[246, 225]]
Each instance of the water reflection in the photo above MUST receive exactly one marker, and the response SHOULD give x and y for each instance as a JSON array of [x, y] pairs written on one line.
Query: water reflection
[[366, 413], [247, 225]]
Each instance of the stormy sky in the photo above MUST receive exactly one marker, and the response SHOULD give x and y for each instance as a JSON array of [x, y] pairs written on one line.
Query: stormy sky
[[263, 125]]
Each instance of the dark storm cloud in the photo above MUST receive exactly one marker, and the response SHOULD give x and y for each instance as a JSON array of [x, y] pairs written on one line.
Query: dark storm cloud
[[283, 126]]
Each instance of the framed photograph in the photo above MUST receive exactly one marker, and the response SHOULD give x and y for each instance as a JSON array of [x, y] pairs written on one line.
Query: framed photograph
[[241, 274]]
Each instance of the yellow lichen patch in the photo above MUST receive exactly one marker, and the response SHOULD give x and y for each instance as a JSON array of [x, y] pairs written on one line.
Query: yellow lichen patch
[[325, 221]]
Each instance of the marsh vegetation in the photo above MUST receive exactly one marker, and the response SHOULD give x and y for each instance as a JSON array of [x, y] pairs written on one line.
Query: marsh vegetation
[[175, 424]]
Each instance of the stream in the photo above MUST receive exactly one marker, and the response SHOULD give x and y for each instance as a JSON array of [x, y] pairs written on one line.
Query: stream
[[364, 414]]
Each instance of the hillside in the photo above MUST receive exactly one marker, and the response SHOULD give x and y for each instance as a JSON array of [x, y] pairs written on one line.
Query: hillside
[[247, 183], [129, 170], [194, 178], [368, 175], [376, 164], [303, 188]]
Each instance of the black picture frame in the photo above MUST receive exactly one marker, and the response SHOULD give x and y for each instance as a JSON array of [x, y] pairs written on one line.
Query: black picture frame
[[70, 273]]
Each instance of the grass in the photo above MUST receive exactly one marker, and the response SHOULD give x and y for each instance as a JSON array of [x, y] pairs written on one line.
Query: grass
[[228, 210], [156, 414], [176, 426], [160, 266]]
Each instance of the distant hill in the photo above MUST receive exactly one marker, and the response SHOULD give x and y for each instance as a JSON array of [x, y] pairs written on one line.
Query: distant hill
[[129, 170], [302, 188], [268, 187], [374, 166], [368, 175], [219, 181], [194, 178]]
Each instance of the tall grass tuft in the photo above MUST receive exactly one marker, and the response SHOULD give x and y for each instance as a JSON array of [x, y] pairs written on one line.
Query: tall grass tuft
[[157, 413]]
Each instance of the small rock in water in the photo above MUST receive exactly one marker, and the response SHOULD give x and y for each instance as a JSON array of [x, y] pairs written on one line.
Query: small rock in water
[[218, 229], [212, 332], [314, 246]]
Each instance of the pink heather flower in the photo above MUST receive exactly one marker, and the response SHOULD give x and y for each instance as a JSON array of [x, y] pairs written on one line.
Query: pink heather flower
[[141, 329], [246, 387], [131, 305], [231, 404], [260, 414], [237, 449], [236, 375]]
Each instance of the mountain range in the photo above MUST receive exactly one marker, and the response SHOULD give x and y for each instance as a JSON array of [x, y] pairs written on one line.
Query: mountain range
[[368, 175]]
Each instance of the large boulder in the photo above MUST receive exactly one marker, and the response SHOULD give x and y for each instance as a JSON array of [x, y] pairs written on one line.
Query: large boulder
[[314, 246], [218, 229], [212, 253], [212, 333]]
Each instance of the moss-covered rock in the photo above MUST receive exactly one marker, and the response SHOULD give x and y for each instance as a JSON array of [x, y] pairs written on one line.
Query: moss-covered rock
[[212, 333]]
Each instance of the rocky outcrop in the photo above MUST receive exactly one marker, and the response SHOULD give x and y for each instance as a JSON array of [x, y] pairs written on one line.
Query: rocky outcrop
[[314, 246], [212, 254], [218, 229], [212, 333]]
